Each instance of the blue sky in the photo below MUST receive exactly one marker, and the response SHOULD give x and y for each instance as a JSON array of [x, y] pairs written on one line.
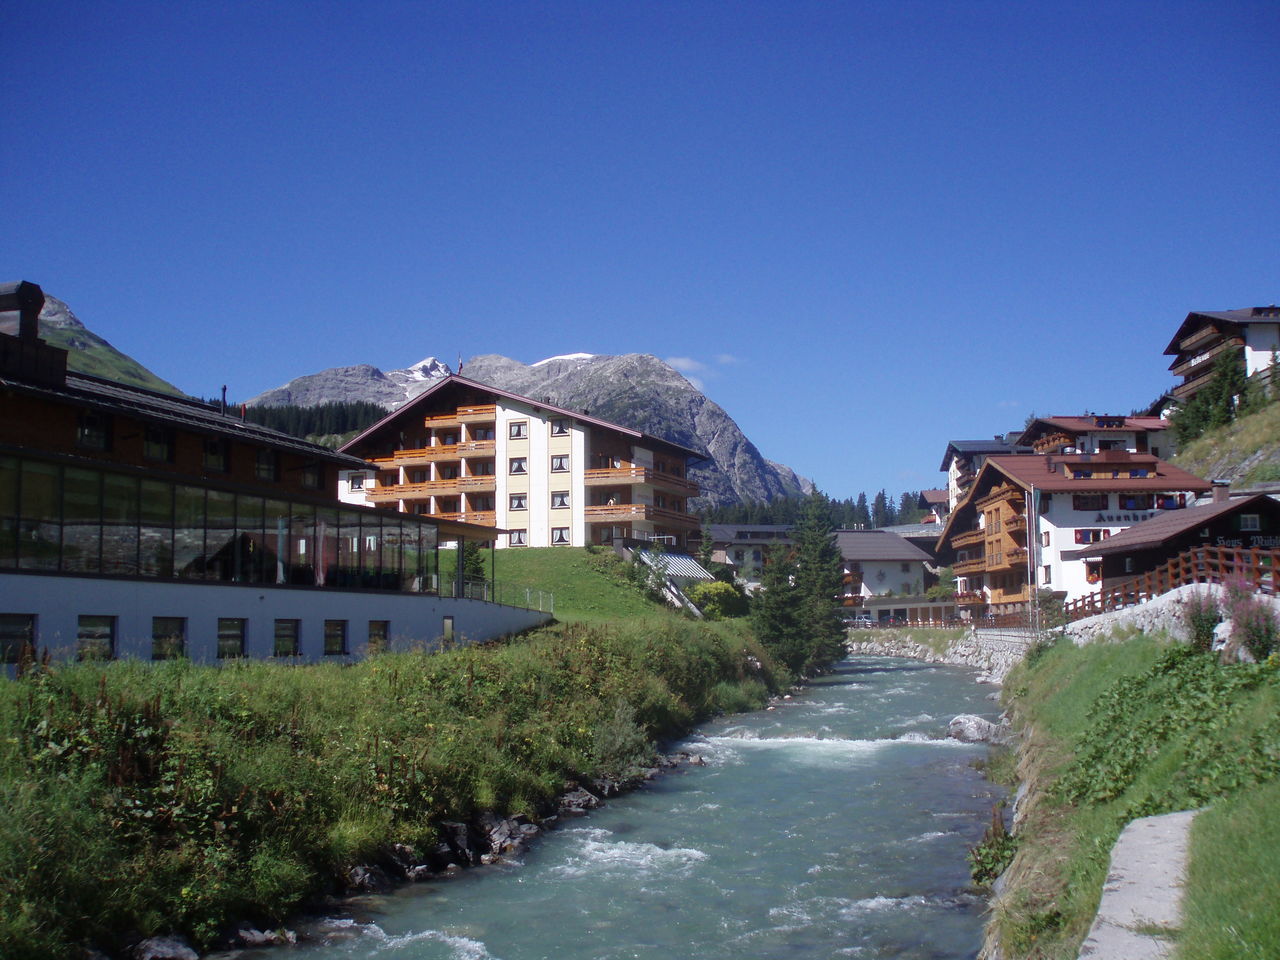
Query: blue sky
[[865, 228]]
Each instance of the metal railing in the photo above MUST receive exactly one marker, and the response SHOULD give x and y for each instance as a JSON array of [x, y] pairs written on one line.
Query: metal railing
[[507, 594]]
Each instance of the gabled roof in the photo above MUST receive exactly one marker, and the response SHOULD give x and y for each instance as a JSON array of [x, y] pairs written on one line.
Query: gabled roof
[[930, 498], [1199, 318], [871, 545], [1165, 526], [453, 382], [1091, 424], [163, 408]]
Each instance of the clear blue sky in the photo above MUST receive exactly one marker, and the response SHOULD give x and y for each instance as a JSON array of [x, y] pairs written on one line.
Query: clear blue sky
[[866, 228]]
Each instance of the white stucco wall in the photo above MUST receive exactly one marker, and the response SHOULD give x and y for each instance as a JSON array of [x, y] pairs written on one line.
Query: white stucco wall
[[1260, 340], [881, 576]]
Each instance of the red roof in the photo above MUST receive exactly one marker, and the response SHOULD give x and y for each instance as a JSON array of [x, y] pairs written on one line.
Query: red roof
[[1056, 473]]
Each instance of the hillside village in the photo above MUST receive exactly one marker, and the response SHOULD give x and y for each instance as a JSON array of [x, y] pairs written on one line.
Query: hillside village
[[171, 495]]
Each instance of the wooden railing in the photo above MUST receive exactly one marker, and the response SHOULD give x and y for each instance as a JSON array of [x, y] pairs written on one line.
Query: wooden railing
[[1006, 491], [1197, 565], [444, 451], [972, 565], [1053, 442], [431, 488], [968, 537], [606, 476]]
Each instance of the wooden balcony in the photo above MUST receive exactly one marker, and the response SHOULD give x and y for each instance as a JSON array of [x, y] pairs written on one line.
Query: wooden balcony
[[1015, 524], [968, 538], [970, 599], [630, 512], [432, 488], [1007, 560], [628, 476], [972, 565], [485, 518], [1053, 442], [472, 414], [1020, 595], [445, 451], [1002, 493]]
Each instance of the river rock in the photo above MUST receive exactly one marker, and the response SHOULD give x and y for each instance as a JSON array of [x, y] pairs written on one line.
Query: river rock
[[252, 937], [578, 800], [368, 879], [164, 948], [971, 729]]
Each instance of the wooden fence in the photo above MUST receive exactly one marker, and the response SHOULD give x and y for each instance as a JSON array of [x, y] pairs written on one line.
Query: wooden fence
[[1197, 565]]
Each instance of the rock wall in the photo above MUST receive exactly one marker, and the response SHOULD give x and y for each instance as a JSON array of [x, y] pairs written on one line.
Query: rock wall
[[994, 652]]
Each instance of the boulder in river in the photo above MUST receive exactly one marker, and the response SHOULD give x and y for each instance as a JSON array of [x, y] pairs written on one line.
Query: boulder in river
[[971, 729], [164, 948]]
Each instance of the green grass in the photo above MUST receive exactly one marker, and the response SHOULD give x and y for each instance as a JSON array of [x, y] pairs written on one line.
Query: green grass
[[936, 639], [1115, 731], [1233, 890], [589, 583], [159, 797]]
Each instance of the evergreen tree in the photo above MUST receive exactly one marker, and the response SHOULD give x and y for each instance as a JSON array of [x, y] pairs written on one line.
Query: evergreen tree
[[817, 584], [861, 513], [774, 612], [880, 510]]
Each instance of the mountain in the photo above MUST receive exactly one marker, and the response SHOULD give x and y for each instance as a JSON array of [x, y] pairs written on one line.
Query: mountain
[[640, 391], [634, 390], [89, 353]]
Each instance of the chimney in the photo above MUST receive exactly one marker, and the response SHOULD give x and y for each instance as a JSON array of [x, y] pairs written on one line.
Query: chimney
[[1221, 491], [24, 355]]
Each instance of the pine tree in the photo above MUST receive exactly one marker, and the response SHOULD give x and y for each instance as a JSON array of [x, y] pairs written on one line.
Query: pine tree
[[774, 613], [817, 584], [880, 510], [862, 515]]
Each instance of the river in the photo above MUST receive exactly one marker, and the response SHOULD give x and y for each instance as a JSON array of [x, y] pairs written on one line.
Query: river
[[833, 825]]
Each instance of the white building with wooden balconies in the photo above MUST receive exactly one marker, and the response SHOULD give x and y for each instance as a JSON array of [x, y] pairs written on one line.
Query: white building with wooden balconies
[[541, 475]]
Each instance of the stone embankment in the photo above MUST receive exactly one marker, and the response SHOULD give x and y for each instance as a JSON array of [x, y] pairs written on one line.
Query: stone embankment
[[994, 651]]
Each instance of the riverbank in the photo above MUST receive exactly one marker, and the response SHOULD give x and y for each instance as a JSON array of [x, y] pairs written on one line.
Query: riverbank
[[1124, 728], [992, 652], [147, 799]]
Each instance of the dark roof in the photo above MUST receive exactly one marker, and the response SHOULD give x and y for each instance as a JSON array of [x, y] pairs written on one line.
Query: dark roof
[[164, 408], [988, 447], [877, 545], [914, 531], [1198, 318], [453, 380], [930, 497], [1165, 526], [729, 532]]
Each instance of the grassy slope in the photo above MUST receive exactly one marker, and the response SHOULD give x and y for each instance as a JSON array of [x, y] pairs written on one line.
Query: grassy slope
[[103, 360], [1193, 744], [1245, 452], [588, 583]]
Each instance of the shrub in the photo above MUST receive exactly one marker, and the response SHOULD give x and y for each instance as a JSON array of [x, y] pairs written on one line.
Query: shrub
[[718, 600], [1253, 622], [1200, 611]]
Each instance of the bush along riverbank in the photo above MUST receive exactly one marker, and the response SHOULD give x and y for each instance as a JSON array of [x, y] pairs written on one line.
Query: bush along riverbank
[[148, 799], [1128, 728]]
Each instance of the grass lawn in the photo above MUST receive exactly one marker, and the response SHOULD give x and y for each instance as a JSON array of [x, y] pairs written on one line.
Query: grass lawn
[[589, 583]]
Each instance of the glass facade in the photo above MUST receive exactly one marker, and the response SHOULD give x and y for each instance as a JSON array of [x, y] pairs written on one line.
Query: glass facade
[[87, 520]]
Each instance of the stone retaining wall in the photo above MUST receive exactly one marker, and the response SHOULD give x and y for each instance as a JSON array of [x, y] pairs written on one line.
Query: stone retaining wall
[[994, 652]]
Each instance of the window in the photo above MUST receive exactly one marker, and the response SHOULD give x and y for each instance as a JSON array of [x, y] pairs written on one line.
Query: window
[[1128, 564], [95, 637], [288, 638], [379, 635], [516, 538], [1046, 575], [446, 630], [482, 502], [1137, 501], [17, 631], [231, 631], [739, 556], [518, 429], [1044, 538], [519, 465], [559, 534], [168, 638], [1081, 474], [94, 431], [1090, 501], [215, 454], [559, 428], [560, 499], [335, 638], [1092, 535], [482, 469], [482, 433], [267, 465], [1250, 521], [559, 463], [357, 481], [906, 568], [158, 444], [312, 476], [518, 501], [1139, 472], [1093, 572]]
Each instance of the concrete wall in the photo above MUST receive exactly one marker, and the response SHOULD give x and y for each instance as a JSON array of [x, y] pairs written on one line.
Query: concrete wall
[[415, 619]]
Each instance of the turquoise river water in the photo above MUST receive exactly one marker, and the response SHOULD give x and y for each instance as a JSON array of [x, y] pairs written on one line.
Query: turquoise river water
[[834, 825]]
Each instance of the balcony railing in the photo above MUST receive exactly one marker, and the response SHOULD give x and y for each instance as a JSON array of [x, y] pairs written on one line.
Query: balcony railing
[[444, 451], [626, 512], [431, 488], [970, 598], [1015, 523], [973, 565], [626, 476], [467, 414], [1053, 442], [1006, 491], [484, 518], [968, 538]]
